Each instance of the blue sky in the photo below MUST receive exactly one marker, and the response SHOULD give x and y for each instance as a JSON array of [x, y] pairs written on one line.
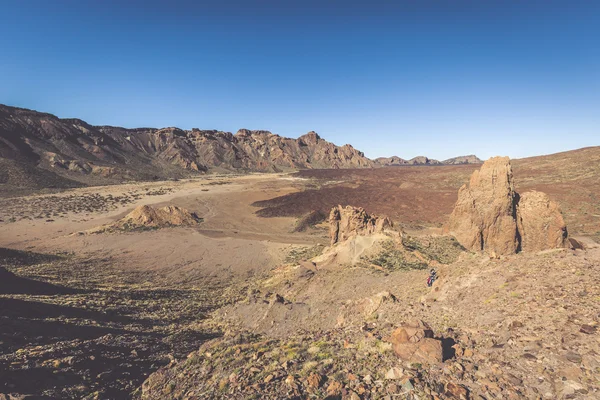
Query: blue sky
[[406, 78]]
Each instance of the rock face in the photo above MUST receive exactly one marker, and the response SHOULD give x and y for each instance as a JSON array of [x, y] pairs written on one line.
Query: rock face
[[540, 222], [490, 216], [346, 222], [414, 342], [75, 149]]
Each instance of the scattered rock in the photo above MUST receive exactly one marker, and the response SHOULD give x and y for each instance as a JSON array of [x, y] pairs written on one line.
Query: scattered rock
[[587, 329], [395, 373], [414, 342], [334, 389]]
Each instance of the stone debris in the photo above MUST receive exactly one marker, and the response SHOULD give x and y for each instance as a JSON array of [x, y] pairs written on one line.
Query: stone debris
[[414, 342]]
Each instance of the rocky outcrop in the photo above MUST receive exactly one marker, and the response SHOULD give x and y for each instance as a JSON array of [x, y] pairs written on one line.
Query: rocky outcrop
[[490, 216], [540, 222], [147, 217], [484, 217], [346, 222], [414, 342]]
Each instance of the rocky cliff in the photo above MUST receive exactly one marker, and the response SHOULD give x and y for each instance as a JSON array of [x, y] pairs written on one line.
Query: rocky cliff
[[75, 149]]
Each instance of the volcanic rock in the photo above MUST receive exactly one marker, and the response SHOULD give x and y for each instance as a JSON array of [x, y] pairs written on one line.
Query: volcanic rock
[[148, 217], [170, 215], [346, 222], [414, 342], [484, 217], [490, 216], [540, 223]]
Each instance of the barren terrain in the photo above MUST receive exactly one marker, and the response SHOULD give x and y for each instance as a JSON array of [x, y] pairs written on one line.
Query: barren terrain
[[232, 308]]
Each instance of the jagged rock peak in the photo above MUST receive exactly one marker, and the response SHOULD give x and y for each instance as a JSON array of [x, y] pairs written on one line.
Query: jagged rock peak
[[311, 138], [346, 222]]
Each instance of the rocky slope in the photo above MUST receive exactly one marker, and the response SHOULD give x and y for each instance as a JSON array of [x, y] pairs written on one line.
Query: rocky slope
[[523, 327], [98, 154]]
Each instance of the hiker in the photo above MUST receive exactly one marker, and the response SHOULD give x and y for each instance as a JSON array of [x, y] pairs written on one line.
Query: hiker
[[432, 277]]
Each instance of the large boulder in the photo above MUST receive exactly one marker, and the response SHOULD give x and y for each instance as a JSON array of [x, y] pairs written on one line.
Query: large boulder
[[347, 222], [483, 218], [414, 342], [490, 216], [540, 223]]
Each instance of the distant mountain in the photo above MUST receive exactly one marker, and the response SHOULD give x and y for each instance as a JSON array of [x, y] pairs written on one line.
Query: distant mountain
[[422, 160], [78, 151], [470, 159], [390, 161]]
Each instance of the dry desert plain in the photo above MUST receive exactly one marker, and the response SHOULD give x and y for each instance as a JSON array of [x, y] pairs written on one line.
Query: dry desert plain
[[232, 307]]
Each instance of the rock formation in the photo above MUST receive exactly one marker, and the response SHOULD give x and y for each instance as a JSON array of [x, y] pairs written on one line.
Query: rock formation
[[346, 222], [147, 217], [490, 216], [170, 215], [414, 342], [540, 222]]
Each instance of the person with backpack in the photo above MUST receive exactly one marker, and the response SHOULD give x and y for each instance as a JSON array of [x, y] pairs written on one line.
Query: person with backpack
[[432, 277]]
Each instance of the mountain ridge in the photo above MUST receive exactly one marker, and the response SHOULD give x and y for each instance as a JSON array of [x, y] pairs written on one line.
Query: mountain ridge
[[74, 151]]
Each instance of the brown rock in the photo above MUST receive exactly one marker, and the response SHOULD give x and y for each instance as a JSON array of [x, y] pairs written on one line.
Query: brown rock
[[334, 389], [490, 216], [587, 329], [483, 218], [346, 222], [314, 380], [414, 342], [540, 223], [456, 391], [146, 216]]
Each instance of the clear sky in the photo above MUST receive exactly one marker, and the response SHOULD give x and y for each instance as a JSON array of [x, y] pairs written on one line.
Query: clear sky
[[406, 78]]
